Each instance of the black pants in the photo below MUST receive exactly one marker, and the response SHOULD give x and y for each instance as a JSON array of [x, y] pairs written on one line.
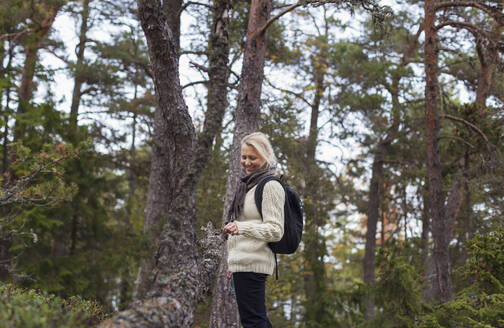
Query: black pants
[[250, 296]]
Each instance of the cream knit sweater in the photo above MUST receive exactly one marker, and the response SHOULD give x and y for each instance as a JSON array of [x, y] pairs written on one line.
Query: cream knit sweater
[[248, 251]]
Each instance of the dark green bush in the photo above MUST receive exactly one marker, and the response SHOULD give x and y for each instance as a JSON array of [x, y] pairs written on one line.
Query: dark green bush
[[397, 293], [29, 308]]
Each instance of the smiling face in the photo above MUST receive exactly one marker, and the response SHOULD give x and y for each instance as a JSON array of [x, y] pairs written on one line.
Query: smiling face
[[251, 160]]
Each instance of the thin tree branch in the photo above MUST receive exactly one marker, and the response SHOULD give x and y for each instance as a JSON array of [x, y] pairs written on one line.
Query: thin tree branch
[[470, 27], [89, 90], [199, 67], [16, 35], [52, 52], [456, 138], [297, 95], [469, 124], [474, 4], [190, 52], [412, 47], [273, 19], [194, 83], [184, 7]]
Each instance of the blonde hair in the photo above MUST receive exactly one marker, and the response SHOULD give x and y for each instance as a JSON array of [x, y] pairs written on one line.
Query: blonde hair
[[260, 142]]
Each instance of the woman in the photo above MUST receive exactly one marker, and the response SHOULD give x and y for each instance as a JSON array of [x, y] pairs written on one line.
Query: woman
[[250, 260]]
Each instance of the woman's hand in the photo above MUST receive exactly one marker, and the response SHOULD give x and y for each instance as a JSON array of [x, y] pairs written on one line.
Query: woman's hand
[[230, 228], [229, 273]]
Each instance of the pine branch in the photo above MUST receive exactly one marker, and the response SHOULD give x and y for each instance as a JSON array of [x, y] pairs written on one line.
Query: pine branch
[[16, 35], [492, 11], [469, 124]]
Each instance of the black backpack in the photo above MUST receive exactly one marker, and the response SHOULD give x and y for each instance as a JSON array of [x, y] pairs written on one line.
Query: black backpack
[[293, 219]]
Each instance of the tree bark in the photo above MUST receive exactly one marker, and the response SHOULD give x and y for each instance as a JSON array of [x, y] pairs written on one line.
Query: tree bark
[[7, 110], [224, 311], [424, 239], [173, 129], [488, 57], [440, 224], [181, 274], [443, 216], [372, 222], [5, 257], [216, 106]]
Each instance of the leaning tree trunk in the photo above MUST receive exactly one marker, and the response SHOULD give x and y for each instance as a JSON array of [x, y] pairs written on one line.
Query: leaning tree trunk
[[224, 311], [180, 275], [171, 149]]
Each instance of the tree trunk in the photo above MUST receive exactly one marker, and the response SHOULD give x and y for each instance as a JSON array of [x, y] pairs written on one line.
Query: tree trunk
[[469, 226], [224, 311], [443, 216], [424, 239], [173, 129], [181, 275], [377, 178], [5, 257], [440, 224], [315, 281], [372, 221], [7, 111], [78, 80], [484, 82], [488, 57], [74, 109], [49, 11], [172, 140]]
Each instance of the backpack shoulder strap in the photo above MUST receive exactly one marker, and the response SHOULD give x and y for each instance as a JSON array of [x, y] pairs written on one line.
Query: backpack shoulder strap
[[258, 194]]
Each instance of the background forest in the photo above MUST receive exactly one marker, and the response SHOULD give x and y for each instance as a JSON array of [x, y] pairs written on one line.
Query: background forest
[[120, 124]]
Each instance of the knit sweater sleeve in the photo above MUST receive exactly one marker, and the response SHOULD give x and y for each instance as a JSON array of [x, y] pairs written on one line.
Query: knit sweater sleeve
[[272, 226]]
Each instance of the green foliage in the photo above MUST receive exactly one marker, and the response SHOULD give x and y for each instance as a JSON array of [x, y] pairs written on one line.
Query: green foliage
[[287, 299], [482, 303], [73, 223], [284, 297], [397, 292], [277, 51], [29, 308], [78, 251], [38, 177], [12, 13], [35, 180]]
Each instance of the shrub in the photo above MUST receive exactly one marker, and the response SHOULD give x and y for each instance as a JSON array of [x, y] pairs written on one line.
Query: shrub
[[481, 305], [29, 308]]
